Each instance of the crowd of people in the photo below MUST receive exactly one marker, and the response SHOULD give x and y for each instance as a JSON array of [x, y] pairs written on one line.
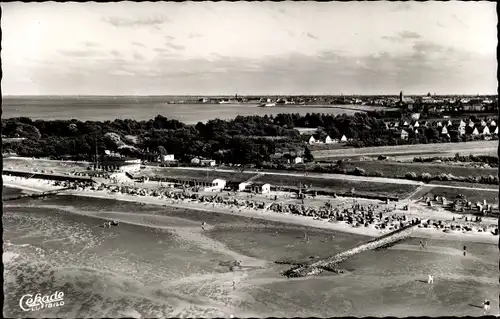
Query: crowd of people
[[384, 216]]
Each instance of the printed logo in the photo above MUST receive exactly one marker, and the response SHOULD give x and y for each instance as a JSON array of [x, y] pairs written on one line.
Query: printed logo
[[29, 302]]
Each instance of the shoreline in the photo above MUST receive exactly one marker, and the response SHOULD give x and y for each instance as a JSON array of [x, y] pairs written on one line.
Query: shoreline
[[36, 186]]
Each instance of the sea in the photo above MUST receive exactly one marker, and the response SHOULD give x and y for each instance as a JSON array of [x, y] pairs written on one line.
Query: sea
[[102, 108], [159, 263]]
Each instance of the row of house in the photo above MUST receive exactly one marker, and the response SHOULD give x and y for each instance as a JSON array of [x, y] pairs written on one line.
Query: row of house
[[203, 162], [218, 185], [291, 159], [458, 127], [311, 140], [415, 123], [254, 187]]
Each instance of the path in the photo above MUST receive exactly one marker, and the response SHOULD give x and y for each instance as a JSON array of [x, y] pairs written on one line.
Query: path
[[254, 177]]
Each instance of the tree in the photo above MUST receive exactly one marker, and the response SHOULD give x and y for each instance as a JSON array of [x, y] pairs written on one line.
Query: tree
[[308, 155], [162, 150]]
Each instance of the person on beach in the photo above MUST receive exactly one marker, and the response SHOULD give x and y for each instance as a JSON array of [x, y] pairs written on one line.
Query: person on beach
[[486, 306], [203, 225], [234, 285], [430, 279], [465, 250]]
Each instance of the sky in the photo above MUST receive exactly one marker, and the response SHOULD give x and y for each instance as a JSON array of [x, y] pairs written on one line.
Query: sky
[[247, 48]]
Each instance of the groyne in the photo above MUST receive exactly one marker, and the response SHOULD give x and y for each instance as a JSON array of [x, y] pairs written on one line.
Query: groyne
[[46, 176], [330, 264], [37, 195]]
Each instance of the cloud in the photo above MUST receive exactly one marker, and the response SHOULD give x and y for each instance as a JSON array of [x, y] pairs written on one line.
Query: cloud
[[403, 36], [121, 73], [80, 53], [161, 50], [91, 44], [312, 36], [460, 22], [175, 46], [138, 56], [428, 66], [138, 44], [169, 37], [195, 35], [124, 22], [116, 53]]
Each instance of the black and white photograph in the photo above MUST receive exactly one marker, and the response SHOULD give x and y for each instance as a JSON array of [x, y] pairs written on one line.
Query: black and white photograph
[[250, 159]]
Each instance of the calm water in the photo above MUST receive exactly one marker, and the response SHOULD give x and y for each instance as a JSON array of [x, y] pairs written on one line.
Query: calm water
[[159, 264], [142, 108]]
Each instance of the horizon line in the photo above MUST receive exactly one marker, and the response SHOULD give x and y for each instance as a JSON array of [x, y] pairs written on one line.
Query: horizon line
[[239, 95]]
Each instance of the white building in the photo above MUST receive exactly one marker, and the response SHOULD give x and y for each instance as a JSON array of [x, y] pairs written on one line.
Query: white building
[[207, 162], [311, 140], [328, 140], [461, 130], [217, 185], [133, 161], [298, 160], [203, 162], [343, 139], [130, 168], [261, 188], [415, 116], [166, 158], [243, 186], [485, 130]]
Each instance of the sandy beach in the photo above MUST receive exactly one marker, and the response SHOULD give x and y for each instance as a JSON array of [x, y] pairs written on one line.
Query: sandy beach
[[36, 185], [160, 263]]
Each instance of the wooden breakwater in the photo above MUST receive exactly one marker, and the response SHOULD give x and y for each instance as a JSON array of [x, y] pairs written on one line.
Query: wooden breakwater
[[330, 264], [37, 195]]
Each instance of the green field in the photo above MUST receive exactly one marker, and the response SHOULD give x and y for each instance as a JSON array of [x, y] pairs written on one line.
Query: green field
[[200, 175], [340, 186], [479, 147], [464, 184], [472, 195], [399, 170]]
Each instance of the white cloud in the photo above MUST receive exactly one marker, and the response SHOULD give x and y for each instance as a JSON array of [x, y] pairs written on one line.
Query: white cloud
[[264, 46]]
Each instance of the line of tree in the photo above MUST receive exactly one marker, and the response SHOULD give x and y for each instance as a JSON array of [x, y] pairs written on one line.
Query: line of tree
[[242, 140]]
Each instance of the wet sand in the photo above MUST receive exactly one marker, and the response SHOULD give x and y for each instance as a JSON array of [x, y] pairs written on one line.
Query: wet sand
[[159, 262]]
